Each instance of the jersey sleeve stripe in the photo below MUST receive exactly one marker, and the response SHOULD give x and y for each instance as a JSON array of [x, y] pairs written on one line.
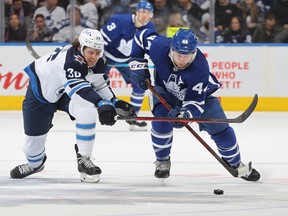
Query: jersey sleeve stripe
[[73, 90]]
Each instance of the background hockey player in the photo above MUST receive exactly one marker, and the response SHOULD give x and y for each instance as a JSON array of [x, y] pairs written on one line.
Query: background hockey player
[[71, 79], [183, 78], [118, 34]]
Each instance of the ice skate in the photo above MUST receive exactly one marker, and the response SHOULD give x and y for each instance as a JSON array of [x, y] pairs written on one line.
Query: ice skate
[[138, 126], [88, 171], [24, 170], [252, 175], [162, 170]]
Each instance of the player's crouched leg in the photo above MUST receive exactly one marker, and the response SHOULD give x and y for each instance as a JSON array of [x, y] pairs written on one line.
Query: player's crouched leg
[[35, 153], [230, 152], [85, 115], [24, 170], [88, 171], [225, 139]]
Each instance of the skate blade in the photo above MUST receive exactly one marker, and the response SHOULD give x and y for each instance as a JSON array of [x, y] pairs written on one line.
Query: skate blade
[[89, 178], [137, 128], [162, 181]]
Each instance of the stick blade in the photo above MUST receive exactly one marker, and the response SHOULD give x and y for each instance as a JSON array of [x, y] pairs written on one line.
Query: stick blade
[[248, 111]]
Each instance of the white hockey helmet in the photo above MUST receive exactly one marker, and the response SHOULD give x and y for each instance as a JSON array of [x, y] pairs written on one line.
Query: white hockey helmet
[[91, 38]]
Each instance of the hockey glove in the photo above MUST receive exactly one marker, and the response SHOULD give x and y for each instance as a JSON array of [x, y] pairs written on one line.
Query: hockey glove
[[139, 72], [179, 113], [106, 112], [123, 108]]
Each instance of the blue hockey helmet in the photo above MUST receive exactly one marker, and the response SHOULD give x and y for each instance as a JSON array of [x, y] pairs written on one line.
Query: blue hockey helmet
[[184, 41], [144, 5]]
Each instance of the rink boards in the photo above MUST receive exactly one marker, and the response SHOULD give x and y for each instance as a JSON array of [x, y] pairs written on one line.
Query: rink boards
[[243, 71]]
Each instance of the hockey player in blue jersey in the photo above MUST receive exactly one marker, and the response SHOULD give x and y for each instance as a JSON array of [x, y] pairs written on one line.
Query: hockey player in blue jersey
[[183, 78], [118, 34], [73, 80]]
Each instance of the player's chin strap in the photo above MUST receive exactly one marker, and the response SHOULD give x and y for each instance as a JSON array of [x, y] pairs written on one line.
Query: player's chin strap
[[242, 171]]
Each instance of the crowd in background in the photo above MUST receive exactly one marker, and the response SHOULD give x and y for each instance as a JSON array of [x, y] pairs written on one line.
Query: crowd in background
[[236, 21]]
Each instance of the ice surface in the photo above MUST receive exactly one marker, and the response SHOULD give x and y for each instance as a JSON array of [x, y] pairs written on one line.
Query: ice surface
[[128, 187]]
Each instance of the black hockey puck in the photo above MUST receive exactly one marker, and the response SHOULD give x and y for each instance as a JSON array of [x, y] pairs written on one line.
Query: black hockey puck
[[218, 192]]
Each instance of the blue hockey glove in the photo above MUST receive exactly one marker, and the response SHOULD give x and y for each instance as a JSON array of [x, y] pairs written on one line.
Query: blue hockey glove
[[106, 112], [139, 72], [179, 113]]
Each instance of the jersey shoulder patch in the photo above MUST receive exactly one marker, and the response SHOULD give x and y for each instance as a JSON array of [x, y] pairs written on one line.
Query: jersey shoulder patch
[[79, 58]]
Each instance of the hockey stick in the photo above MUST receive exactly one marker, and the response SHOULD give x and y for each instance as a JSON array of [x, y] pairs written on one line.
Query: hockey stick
[[234, 172], [31, 50], [241, 118]]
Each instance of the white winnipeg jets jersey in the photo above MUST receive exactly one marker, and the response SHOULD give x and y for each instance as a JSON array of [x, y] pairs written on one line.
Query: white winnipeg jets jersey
[[65, 71]]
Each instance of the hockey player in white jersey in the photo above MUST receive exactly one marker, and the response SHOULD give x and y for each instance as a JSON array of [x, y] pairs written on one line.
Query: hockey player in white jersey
[[73, 80], [118, 34]]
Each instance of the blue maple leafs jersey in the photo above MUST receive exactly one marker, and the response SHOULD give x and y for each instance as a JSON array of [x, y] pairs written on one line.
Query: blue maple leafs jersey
[[118, 34], [66, 71], [191, 85]]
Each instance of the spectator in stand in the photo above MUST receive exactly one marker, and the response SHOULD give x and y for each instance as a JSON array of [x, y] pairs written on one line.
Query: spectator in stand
[[53, 14], [160, 16], [102, 6], [268, 31], [103, 3], [40, 32], [64, 3], [22, 8], [252, 15], [191, 14], [175, 20], [280, 9], [204, 34], [15, 32], [224, 11], [282, 37], [172, 3], [203, 4], [41, 3], [90, 15], [265, 5], [64, 34], [236, 33]]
